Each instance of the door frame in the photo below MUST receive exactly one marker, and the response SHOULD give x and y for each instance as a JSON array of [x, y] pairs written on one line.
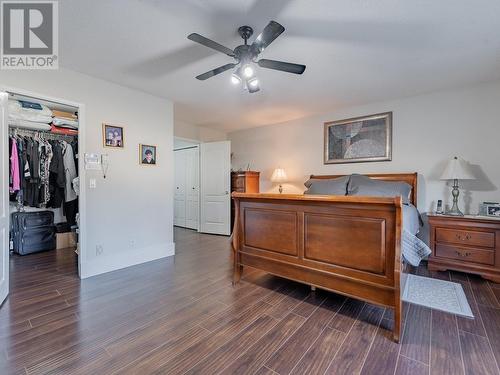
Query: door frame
[[82, 198], [5, 215]]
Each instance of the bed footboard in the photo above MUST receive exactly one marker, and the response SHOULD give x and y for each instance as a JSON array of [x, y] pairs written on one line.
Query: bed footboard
[[344, 244]]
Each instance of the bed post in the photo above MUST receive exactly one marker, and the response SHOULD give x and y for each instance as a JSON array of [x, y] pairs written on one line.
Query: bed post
[[237, 267], [397, 271]]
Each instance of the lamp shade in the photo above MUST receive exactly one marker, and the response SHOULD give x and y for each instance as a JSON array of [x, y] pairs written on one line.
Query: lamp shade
[[457, 169], [279, 175]]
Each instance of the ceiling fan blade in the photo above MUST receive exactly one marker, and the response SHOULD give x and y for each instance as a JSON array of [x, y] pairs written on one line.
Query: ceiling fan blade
[[210, 44], [215, 71], [283, 66], [266, 37]]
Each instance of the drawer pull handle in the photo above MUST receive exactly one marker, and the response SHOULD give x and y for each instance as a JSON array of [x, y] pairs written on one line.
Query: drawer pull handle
[[466, 238], [460, 254]]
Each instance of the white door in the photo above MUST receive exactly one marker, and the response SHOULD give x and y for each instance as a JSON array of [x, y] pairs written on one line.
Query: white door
[[180, 188], [192, 187], [4, 204], [215, 168]]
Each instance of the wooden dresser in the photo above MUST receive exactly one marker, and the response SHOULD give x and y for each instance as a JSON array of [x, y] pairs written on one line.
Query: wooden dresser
[[243, 182], [467, 244]]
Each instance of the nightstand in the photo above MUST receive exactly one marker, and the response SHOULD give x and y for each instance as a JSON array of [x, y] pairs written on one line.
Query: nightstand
[[465, 243]]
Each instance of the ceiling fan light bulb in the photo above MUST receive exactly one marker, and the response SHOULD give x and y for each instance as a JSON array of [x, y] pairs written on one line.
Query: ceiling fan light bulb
[[252, 89], [248, 71], [235, 79], [254, 82]]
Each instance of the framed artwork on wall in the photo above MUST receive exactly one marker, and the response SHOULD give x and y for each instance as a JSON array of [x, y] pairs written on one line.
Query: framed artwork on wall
[[147, 154], [360, 139], [112, 136]]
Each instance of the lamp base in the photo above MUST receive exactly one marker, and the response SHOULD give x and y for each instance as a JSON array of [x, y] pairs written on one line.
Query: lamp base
[[280, 189], [455, 211]]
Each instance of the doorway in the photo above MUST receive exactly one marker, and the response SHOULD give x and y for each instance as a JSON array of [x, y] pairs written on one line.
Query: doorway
[[187, 184], [42, 208], [202, 197]]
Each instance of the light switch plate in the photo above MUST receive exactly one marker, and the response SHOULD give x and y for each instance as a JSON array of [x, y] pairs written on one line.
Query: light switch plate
[[92, 183]]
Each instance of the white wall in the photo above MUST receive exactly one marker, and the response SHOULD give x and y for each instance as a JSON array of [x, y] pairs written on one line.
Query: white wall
[[427, 131], [186, 130], [130, 213]]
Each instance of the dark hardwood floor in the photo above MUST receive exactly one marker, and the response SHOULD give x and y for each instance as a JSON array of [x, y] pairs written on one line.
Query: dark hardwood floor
[[181, 315]]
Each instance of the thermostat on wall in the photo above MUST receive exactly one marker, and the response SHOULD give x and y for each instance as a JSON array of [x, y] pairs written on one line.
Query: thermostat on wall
[[93, 162]]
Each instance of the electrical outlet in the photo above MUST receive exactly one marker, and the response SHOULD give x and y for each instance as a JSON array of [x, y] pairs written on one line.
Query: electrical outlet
[[131, 244], [99, 250]]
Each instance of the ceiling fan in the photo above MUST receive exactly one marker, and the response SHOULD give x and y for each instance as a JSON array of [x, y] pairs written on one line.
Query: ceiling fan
[[246, 56]]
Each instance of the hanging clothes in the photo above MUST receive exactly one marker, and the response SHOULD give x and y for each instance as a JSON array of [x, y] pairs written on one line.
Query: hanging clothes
[[70, 211], [33, 182], [57, 176], [14, 167], [70, 171], [46, 154], [41, 171]]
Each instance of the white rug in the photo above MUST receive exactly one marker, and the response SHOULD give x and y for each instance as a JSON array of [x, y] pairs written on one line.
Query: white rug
[[437, 294]]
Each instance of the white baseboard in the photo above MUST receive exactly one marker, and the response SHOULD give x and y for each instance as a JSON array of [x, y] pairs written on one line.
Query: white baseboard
[[103, 264]]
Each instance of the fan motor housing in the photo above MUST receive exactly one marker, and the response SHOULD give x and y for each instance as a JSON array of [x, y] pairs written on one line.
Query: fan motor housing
[[245, 32], [244, 53]]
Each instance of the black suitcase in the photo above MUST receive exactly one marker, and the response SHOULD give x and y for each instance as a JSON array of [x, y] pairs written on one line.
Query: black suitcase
[[33, 232]]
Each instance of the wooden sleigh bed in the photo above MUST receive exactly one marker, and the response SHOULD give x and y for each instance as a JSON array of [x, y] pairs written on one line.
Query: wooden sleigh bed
[[345, 244]]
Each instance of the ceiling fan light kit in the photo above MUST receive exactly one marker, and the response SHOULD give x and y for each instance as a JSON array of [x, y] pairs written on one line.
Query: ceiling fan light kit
[[246, 56]]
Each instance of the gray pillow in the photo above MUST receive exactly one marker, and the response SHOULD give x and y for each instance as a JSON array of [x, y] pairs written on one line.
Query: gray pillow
[[363, 185], [332, 186]]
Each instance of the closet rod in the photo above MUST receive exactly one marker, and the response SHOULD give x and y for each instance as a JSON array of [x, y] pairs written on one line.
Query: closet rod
[[43, 134]]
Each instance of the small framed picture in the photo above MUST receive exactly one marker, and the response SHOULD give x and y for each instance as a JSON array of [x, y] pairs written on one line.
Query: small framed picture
[[493, 210], [112, 136], [147, 154]]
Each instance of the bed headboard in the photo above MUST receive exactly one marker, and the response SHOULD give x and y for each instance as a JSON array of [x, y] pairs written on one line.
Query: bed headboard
[[409, 178]]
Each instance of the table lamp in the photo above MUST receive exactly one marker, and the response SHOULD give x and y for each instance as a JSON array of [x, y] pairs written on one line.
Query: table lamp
[[455, 170], [279, 176]]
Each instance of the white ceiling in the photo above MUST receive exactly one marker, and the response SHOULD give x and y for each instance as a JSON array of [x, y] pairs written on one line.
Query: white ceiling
[[356, 51]]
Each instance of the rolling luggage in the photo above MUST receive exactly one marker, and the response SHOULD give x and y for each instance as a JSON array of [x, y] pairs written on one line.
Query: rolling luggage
[[33, 232]]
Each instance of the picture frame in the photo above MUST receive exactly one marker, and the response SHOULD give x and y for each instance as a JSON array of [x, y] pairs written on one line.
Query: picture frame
[[112, 136], [147, 154], [359, 139], [493, 210]]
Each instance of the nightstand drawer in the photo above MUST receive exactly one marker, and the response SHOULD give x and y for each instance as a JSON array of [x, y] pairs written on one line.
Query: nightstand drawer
[[465, 254], [465, 237]]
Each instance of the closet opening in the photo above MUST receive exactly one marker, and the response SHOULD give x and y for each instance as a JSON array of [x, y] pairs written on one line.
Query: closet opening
[[202, 186], [45, 171], [187, 183]]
